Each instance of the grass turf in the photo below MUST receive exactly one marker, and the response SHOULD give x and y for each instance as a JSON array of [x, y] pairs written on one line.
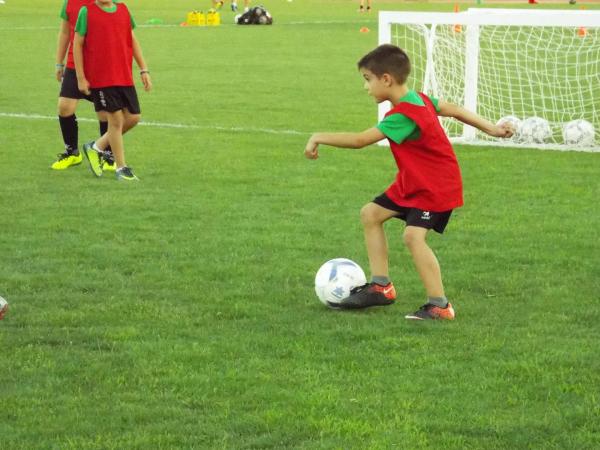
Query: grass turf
[[179, 312]]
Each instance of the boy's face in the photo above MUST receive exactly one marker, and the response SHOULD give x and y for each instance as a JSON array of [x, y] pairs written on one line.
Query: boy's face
[[377, 87]]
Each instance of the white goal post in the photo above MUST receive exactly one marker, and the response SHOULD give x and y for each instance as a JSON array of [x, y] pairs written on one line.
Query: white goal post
[[505, 62]]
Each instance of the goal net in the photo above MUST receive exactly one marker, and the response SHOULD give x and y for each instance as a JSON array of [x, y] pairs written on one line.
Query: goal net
[[502, 62]]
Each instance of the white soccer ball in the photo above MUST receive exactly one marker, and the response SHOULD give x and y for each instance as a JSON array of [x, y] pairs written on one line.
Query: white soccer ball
[[534, 130], [3, 307], [336, 278], [236, 18], [515, 122], [578, 132]]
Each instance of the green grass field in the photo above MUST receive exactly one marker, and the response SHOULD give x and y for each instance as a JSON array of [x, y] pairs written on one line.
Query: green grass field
[[179, 312]]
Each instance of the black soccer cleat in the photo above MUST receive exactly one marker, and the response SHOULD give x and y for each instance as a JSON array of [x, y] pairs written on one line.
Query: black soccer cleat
[[367, 295], [432, 312]]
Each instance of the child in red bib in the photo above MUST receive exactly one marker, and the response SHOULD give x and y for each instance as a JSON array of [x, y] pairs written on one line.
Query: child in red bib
[[104, 47], [69, 96], [428, 184]]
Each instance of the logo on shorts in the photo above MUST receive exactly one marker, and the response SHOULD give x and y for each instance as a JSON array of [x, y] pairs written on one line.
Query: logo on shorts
[[102, 99], [426, 215]]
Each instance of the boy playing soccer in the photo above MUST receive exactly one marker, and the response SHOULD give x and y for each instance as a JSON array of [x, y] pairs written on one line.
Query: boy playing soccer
[[428, 184], [70, 95], [104, 48]]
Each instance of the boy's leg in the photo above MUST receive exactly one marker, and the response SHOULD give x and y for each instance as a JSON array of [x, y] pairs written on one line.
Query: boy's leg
[[70, 133], [68, 100], [113, 137], [107, 158], [373, 217], [428, 268], [380, 291], [119, 123], [68, 122], [425, 261]]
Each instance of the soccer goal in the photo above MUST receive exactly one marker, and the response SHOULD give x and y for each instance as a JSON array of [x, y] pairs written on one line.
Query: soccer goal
[[500, 62]]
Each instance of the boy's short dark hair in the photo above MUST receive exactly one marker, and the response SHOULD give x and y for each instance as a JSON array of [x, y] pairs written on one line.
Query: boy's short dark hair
[[387, 58]]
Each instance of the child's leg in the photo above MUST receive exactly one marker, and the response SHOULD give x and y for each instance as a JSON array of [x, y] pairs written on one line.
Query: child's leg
[[119, 123], [425, 261], [380, 291], [68, 122], [373, 217], [103, 123]]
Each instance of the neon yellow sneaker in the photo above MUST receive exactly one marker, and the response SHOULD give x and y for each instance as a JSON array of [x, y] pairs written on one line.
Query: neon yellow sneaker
[[93, 158], [66, 160]]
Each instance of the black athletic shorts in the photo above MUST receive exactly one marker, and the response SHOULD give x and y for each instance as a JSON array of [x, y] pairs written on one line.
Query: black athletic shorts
[[431, 220], [115, 98], [68, 87]]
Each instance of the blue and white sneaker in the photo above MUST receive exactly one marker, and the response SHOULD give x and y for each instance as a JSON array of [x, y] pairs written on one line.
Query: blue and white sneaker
[[125, 174]]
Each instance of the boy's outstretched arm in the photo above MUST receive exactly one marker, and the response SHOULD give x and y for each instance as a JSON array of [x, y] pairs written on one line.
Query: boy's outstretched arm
[[504, 130], [345, 140]]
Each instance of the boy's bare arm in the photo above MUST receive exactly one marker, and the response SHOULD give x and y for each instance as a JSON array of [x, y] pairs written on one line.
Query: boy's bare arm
[[139, 60], [504, 130], [61, 48], [82, 83], [344, 140]]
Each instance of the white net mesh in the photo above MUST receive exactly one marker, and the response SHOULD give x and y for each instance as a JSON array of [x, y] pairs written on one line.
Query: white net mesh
[[523, 71]]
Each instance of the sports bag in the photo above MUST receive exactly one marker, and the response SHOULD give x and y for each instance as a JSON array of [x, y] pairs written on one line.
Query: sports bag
[[257, 15]]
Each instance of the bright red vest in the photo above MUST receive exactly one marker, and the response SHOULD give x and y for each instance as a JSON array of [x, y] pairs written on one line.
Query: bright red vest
[[73, 7], [428, 173], [108, 47]]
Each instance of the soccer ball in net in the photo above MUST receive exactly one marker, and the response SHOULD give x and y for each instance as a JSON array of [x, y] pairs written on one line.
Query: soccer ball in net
[[534, 130], [4, 307], [515, 122], [578, 132], [336, 278]]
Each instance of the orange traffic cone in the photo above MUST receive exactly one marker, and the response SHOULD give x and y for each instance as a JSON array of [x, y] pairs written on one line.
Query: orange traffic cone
[[457, 27], [582, 32]]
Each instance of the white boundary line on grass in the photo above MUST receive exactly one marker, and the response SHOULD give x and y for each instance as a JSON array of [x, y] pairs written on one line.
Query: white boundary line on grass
[[167, 125], [167, 25]]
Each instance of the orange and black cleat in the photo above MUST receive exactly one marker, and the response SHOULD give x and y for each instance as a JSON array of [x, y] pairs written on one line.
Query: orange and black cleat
[[370, 294], [429, 311]]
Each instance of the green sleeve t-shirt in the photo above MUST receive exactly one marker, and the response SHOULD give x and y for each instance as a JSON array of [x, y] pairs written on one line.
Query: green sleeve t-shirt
[[398, 127], [63, 11]]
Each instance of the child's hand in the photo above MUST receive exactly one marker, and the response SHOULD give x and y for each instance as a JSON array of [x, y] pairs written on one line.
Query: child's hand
[[504, 130], [147, 81], [60, 71], [312, 149], [84, 86]]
